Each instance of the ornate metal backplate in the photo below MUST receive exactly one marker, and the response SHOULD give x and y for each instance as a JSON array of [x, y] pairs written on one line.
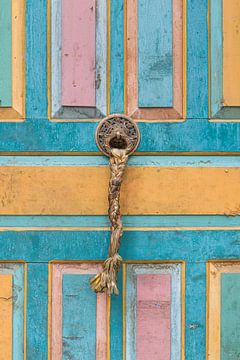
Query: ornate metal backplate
[[117, 131]]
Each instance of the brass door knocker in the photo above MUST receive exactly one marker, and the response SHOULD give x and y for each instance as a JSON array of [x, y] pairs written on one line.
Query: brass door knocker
[[117, 136]]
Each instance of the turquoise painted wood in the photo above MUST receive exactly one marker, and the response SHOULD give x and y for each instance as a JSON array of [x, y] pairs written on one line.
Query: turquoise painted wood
[[79, 318], [117, 57], [155, 64], [196, 134], [230, 309], [5, 53], [37, 243], [37, 310]]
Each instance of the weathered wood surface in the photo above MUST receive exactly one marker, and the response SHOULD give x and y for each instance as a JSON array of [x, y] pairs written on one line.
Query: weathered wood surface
[[53, 190]]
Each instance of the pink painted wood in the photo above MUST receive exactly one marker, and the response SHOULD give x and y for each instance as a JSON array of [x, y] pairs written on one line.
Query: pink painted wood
[[78, 53], [153, 339], [56, 316], [176, 112]]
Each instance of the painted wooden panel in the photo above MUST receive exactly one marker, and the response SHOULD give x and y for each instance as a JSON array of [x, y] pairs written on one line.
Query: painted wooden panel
[[12, 298], [12, 53], [69, 190], [78, 59], [79, 318], [78, 53], [6, 317], [5, 53], [153, 309], [225, 54], [153, 317], [230, 310], [155, 59], [155, 64], [223, 310]]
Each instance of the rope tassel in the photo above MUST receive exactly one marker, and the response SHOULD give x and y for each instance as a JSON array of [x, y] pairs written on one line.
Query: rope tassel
[[106, 281]]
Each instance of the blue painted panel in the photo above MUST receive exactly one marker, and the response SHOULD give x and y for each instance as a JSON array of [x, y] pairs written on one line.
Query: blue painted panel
[[36, 62], [196, 135], [140, 160], [116, 327], [155, 57], [216, 56], [143, 221], [198, 245], [79, 318], [5, 53], [117, 57], [197, 62], [195, 327], [37, 311]]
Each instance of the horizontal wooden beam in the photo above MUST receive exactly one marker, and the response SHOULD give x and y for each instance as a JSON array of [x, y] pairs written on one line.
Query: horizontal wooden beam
[[69, 190]]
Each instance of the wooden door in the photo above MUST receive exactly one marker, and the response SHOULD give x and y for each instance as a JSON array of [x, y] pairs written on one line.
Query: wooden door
[[173, 66]]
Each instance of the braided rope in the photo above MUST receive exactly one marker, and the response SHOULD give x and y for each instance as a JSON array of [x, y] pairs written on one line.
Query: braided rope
[[107, 279]]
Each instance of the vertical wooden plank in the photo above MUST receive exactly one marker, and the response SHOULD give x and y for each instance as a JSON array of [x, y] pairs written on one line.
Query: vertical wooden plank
[[78, 52], [6, 311], [16, 271], [216, 60], [6, 53], [101, 56], [18, 56], [230, 310], [195, 337], [36, 60], [37, 311], [56, 56], [155, 72], [214, 305], [153, 317], [231, 52], [197, 59], [117, 57]]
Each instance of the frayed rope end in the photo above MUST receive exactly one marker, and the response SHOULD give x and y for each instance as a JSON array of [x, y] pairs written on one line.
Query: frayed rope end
[[106, 281]]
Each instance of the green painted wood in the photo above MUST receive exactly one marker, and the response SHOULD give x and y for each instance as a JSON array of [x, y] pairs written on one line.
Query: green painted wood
[[230, 312], [5, 53], [155, 57], [79, 318]]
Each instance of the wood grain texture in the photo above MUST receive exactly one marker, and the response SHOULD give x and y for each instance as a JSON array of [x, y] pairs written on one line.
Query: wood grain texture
[[78, 52], [153, 317], [166, 110], [174, 345], [83, 190], [97, 335], [6, 315], [6, 54], [231, 53]]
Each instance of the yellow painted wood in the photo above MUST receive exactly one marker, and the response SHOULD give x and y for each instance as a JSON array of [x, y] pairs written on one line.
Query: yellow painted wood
[[231, 52], [215, 269], [5, 317], [146, 190], [17, 111]]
